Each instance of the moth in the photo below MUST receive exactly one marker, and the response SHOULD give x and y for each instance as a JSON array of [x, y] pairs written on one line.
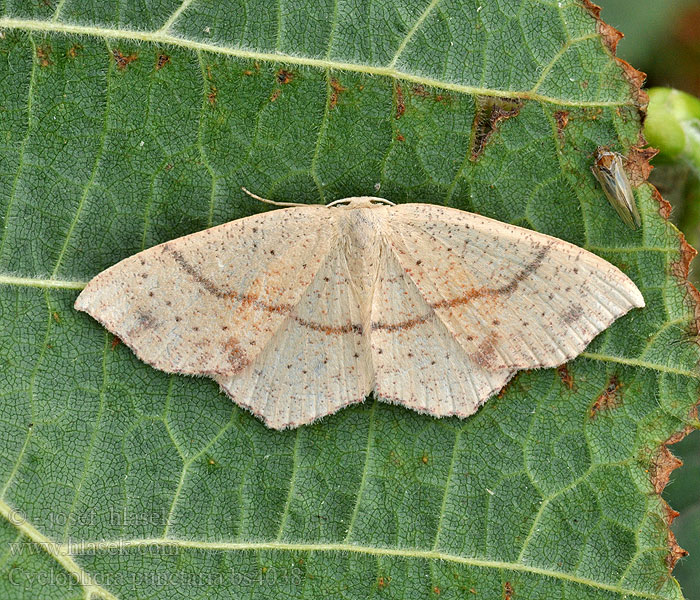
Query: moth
[[300, 311], [609, 170]]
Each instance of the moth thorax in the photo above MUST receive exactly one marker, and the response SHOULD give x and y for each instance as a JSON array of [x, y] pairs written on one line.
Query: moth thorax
[[362, 243]]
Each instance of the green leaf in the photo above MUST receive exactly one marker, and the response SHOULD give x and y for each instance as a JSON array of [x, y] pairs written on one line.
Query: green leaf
[[127, 124]]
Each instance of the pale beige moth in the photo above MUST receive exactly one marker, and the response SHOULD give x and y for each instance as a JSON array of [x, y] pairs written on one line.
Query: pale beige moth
[[300, 311]]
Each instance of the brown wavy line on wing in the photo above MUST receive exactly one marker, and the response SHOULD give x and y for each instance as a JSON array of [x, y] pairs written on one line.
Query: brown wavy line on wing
[[504, 290], [357, 328], [287, 309]]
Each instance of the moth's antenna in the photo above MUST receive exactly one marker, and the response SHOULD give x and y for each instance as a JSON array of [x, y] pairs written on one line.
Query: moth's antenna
[[274, 202]]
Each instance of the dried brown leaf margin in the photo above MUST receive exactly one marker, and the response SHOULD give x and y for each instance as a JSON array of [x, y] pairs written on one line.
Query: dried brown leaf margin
[[663, 462]]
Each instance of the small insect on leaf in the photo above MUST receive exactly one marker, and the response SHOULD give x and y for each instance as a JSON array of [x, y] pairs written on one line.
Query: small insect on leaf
[[610, 173]]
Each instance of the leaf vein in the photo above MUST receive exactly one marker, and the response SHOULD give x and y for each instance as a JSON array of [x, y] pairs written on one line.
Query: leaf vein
[[157, 37], [23, 145], [416, 26], [448, 479], [365, 468], [173, 17], [200, 145], [343, 548], [56, 551], [290, 493], [93, 173], [91, 443]]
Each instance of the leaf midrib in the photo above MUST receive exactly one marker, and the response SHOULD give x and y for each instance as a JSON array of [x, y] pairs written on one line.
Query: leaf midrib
[[165, 38], [64, 554]]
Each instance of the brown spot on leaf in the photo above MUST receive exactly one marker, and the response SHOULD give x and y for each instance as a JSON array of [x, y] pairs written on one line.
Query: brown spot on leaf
[[400, 138], [681, 268], [336, 90], [663, 464], [610, 35], [383, 582], [43, 54], [507, 591], [436, 590], [635, 79], [675, 552], [610, 399], [419, 90], [72, 52], [424, 458], [566, 378], [610, 38], [122, 60], [664, 206], [275, 95], [56, 317], [161, 61], [115, 342], [669, 514], [637, 162], [213, 93], [680, 435], [400, 105], [592, 114], [249, 72], [490, 112], [284, 77], [562, 119]]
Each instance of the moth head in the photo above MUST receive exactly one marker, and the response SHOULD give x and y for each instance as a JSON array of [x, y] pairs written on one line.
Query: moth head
[[360, 202]]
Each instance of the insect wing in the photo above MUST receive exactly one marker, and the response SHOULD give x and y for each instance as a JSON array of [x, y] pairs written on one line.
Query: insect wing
[[610, 173]]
